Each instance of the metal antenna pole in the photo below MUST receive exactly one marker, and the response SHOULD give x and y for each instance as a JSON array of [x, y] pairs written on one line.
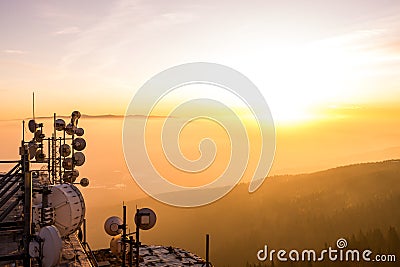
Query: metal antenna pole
[[124, 236], [54, 148], [27, 203], [207, 250], [130, 251], [23, 131], [62, 171], [84, 231], [33, 105], [137, 238]]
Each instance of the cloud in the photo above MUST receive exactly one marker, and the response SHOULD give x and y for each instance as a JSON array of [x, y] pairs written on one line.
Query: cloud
[[68, 30], [14, 51], [119, 186], [127, 24]]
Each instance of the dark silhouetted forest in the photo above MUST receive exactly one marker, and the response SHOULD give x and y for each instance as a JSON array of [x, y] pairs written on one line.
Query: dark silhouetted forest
[[308, 211]]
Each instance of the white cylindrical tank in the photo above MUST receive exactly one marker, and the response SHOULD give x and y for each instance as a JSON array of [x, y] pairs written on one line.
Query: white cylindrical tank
[[69, 208]]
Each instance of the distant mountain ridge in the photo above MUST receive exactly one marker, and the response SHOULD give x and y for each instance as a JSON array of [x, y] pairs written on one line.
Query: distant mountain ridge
[[100, 116], [288, 211]]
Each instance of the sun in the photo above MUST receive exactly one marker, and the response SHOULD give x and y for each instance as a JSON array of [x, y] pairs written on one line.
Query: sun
[[297, 81]]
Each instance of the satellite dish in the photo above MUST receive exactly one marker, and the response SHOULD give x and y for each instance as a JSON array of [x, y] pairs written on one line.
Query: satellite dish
[[39, 136], [70, 176], [76, 114], [65, 150], [32, 126], [59, 124], [70, 129], [79, 131], [145, 218], [51, 246], [69, 208], [84, 182], [112, 225], [116, 245], [34, 251], [67, 163], [40, 156], [78, 158], [79, 144], [75, 117]]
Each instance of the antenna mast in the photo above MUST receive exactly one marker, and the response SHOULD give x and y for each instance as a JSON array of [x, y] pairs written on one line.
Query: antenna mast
[[33, 104]]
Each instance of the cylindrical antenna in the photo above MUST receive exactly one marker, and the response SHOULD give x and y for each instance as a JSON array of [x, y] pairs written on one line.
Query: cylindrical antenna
[[124, 236], [23, 131], [137, 244], [208, 250], [33, 105]]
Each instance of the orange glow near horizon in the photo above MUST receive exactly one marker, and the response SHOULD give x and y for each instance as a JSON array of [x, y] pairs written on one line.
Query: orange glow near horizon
[[330, 80], [342, 136]]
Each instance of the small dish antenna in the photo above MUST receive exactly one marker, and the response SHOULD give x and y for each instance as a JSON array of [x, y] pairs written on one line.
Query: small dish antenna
[[67, 163], [79, 131], [79, 144], [50, 246], [145, 218], [65, 150], [75, 117], [84, 182], [116, 245], [59, 124], [70, 129], [112, 225], [70, 176], [78, 158], [32, 126]]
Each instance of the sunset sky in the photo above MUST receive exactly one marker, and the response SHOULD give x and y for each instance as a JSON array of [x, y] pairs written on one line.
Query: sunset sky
[[308, 58], [329, 70]]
